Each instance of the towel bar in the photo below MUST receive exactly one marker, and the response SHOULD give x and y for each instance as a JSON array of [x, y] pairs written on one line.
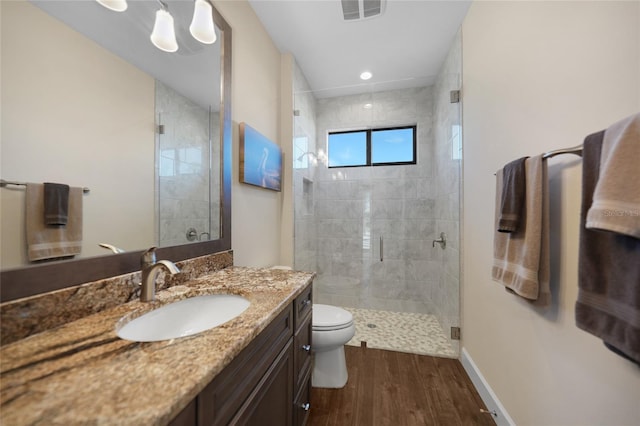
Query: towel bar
[[4, 183], [577, 150]]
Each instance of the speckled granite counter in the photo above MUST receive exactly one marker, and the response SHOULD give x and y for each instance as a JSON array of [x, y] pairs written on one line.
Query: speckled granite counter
[[82, 373]]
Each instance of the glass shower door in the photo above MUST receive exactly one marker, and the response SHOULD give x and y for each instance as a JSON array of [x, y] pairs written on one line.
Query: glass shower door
[[188, 210]]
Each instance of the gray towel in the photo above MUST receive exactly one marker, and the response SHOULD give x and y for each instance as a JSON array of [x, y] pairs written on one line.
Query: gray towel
[[56, 204], [513, 193], [608, 304]]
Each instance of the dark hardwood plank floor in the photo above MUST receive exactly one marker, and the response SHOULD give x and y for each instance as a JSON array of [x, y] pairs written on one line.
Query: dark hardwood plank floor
[[399, 389]]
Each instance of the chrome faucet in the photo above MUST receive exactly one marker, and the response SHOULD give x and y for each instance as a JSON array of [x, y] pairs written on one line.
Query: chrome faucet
[[150, 269]]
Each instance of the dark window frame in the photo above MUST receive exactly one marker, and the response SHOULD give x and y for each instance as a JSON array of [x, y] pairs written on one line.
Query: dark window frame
[[368, 133]]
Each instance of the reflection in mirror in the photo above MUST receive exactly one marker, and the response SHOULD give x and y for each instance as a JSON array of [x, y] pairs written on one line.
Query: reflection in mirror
[[188, 136], [85, 95]]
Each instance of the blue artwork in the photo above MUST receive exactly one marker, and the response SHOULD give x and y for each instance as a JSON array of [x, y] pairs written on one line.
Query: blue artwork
[[260, 159]]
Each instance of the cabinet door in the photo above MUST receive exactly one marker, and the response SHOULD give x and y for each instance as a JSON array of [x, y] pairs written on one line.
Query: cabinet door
[[270, 402], [221, 399]]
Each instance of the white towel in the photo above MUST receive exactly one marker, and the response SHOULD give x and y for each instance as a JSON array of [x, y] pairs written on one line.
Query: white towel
[[616, 199], [521, 259], [49, 242]]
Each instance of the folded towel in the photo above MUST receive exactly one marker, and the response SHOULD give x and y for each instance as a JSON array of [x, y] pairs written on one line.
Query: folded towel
[[56, 204], [48, 242], [513, 192], [521, 258], [616, 199], [608, 304]]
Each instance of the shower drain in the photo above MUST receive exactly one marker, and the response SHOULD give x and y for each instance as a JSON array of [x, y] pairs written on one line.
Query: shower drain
[[370, 325]]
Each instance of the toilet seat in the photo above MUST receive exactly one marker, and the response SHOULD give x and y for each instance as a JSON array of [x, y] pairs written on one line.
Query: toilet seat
[[330, 318]]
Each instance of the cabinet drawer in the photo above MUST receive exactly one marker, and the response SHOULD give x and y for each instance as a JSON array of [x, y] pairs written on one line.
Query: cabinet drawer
[[302, 403], [302, 306], [220, 400], [302, 351]]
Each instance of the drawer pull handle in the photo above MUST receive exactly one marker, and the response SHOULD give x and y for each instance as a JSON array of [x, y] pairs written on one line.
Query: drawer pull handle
[[306, 302], [306, 347], [306, 406]]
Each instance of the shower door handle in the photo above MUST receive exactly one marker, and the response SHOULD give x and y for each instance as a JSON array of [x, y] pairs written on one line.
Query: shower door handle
[[381, 249]]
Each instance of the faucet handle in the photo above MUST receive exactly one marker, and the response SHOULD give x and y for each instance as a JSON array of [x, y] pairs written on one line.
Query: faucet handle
[[148, 257]]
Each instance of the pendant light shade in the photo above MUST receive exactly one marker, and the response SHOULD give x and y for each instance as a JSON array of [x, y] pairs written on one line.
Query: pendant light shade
[[115, 5], [201, 27], [163, 35]]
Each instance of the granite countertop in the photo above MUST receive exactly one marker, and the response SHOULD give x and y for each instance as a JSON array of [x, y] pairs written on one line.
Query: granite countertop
[[83, 373]]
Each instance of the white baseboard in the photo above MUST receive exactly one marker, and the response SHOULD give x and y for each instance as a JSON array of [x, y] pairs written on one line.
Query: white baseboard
[[489, 398]]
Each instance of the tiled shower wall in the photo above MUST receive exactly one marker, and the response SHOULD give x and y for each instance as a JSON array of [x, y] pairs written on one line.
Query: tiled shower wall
[[357, 207], [188, 181], [445, 295]]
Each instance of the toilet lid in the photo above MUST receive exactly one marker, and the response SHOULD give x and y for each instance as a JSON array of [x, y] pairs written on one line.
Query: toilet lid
[[327, 317]]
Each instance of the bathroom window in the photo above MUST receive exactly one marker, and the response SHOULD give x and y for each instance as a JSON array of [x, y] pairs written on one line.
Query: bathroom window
[[373, 147]]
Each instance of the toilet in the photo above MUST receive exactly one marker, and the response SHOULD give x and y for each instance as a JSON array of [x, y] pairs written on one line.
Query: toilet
[[332, 327]]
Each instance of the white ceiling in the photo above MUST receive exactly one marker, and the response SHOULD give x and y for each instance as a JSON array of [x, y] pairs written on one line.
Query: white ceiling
[[403, 47]]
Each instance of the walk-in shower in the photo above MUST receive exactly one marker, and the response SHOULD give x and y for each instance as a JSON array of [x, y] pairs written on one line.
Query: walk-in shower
[[369, 231]]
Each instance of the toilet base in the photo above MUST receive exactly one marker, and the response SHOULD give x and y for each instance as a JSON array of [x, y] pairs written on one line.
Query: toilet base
[[330, 369]]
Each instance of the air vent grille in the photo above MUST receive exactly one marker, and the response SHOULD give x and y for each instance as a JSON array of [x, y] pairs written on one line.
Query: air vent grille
[[353, 10], [372, 8]]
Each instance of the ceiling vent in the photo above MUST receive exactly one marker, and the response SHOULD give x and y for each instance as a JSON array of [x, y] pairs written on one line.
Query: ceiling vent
[[354, 10]]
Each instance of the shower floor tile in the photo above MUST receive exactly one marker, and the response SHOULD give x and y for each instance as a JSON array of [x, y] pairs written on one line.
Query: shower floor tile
[[400, 331]]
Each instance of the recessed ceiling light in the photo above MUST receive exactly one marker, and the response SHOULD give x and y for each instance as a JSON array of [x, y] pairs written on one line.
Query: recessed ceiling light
[[366, 75], [367, 106]]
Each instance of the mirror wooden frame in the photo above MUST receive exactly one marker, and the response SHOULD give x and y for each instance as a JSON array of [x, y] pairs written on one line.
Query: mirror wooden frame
[[24, 282]]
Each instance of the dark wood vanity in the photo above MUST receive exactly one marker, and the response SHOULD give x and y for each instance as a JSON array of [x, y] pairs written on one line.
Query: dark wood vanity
[[268, 383]]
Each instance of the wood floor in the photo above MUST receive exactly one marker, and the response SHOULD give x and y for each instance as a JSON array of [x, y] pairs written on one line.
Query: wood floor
[[399, 389]]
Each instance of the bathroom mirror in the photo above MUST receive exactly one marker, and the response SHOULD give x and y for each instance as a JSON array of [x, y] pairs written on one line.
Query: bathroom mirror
[[135, 177]]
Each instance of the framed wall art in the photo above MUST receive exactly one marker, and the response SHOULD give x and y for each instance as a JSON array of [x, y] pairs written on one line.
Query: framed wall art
[[260, 159]]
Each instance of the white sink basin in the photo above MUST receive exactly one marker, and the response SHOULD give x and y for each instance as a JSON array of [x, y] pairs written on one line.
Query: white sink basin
[[183, 318]]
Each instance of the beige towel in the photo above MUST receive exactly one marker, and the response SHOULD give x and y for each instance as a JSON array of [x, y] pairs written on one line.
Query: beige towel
[[616, 199], [521, 258], [48, 242]]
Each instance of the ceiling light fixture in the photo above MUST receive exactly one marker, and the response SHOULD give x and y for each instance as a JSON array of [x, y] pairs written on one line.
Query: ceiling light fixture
[[115, 5], [163, 35], [201, 27], [366, 75]]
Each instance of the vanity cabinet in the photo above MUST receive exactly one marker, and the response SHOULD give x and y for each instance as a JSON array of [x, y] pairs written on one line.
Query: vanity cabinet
[[268, 383]]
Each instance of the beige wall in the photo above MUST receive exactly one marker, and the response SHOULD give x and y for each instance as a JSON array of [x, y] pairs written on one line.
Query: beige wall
[[540, 76], [74, 113], [256, 100]]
